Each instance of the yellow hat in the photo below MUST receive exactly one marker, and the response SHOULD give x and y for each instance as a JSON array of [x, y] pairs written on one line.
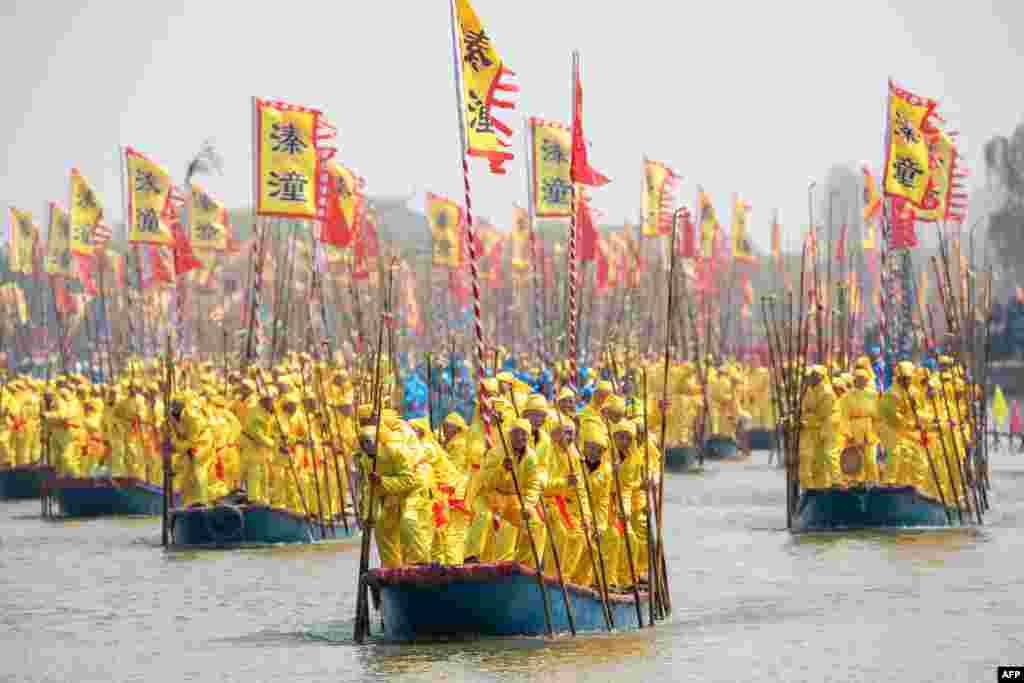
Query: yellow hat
[[455, 420], [565, 393], [506, 377], [521, 423], [616, 403], [536, 403], [595, 433], [605, 385]]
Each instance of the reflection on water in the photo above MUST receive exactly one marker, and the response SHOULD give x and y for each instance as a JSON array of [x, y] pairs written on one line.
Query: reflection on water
[[100, 600]]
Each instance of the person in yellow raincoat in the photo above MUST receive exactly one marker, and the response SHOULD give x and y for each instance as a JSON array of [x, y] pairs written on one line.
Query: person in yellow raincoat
[[856, 433], [597, 488], [621, 535], [901, 435], [816, 432], [94, 448], [448, 544], [61, 425], [257, 447], [288, 477], [565, 498], [454, 435], [391, 469], [191, 445]]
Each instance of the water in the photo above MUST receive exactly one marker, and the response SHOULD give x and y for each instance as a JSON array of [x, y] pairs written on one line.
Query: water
[[100, 601]]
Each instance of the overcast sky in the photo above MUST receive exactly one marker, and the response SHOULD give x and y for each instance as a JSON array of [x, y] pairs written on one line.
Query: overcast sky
[[750, 97]]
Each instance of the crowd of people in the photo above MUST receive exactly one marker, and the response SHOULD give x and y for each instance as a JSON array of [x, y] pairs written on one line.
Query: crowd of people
[[524, 459]]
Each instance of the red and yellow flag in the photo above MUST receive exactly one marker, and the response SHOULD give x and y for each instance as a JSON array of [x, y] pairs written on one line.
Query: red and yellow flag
[[149, 187], [86, 214], [445, 218], [24, 237], [742, 249], [58, 242], [287, 160], [656, 201], [942, 158], [906, 161], [552, 151], [209, 226], [344, 203], [483, 73]]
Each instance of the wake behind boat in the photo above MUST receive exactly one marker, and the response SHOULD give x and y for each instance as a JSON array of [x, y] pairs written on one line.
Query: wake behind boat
[[486, 600]]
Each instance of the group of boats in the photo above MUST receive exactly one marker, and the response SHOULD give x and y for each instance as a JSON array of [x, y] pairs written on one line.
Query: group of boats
[[436, 601]]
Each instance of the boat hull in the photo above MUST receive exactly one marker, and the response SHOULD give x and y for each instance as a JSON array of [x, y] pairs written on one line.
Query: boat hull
[[680, 458], [23, 482], [493, 600], [874, 508], [721, 448], [227, 526], [106, 497], [761, 439]]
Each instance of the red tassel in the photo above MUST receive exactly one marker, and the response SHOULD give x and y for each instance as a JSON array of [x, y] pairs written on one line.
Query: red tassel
[[439, 519], [220, 469]]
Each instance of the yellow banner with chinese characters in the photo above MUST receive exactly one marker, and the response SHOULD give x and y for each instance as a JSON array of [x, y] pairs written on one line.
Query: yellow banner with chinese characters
[[552, 152], [445, 218], [58, 242], [208, 221], [656, 176], [149, 186], [23, 237], [86, 213], [742, 249], [941, 155], [906, 163], [482, 73], [286, 160]]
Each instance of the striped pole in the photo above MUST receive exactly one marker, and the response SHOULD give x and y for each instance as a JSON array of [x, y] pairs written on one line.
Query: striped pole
[[572, 289]]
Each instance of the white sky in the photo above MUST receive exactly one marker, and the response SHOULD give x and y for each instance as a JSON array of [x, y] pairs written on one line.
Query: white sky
[[750, 97]]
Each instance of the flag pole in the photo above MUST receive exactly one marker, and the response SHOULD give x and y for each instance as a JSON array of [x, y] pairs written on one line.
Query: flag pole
[[571, 250], [470, 232]]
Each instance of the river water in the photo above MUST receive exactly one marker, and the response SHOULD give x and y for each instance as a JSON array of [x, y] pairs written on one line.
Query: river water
[[100, 601]]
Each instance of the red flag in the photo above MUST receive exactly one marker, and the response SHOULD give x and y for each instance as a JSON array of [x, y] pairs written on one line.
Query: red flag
[[746, 288], [365, 247], [86, 267], [688, 241], [184, 259], [904, 228], [580, 170], [160, 268], [62, 300], [777, 242], [587, 235]]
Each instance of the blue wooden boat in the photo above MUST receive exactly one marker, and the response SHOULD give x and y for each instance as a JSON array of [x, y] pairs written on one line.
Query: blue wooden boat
[[23, 482], [485, 600], [235, 526], [761, 439], [680, 458], [718, 447], [81, 497], [869, 508]]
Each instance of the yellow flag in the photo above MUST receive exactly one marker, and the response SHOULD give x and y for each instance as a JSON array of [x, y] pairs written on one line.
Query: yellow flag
[[482, 73], [742, 250], [656, 194], [446, 231], [208, 221], [708, 224], [869, 236], [149, 186], [999, 408], [58, 242], [552, 152], [287, 160], [86, 214], [520, 240], [24, 235], [906, 163]]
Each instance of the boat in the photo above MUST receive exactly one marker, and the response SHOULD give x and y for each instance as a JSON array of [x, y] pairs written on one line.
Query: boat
[[761, 439], [717, 447], [226, 525], [878, 507], [434, 602], [23, 482], [98, 497], [681, 459]]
